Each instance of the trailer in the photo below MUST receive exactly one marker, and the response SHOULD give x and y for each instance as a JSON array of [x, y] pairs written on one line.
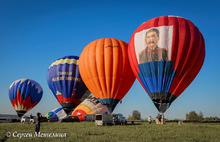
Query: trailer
[[103, 119]]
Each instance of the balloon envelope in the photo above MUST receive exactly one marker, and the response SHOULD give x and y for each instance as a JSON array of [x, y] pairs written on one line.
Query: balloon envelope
[[65, 82], [24, 94], [56, 114], [106, 71], [90, 105], [166, 53]]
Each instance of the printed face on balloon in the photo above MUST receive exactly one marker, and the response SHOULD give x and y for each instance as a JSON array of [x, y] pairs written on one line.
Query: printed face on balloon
[[152, 38], [153, 44]]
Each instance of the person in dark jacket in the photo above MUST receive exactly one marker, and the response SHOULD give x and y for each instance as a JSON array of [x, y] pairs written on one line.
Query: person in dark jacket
[[37, 125]]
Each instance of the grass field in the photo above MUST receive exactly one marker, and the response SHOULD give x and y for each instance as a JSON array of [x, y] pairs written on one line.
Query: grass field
[[88, 132]]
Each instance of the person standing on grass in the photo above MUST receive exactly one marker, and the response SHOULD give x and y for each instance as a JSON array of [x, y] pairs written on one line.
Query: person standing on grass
[[37, 125], [158, 119], [149, 119], [162, 119]]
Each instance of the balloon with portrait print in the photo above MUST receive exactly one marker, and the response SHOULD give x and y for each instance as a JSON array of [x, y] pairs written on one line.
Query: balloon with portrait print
[[166, 53]]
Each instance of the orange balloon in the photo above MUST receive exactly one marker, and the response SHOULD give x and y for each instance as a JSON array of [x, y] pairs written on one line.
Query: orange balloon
[[105, 69]]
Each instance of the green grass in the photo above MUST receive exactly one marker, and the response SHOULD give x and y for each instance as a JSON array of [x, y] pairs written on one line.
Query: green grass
[[88, 132]]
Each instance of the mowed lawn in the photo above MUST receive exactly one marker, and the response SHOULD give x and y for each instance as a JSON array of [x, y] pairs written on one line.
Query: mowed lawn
[[88, 132]]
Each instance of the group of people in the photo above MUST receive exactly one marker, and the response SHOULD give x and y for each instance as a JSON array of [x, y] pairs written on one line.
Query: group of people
[[159, 119]]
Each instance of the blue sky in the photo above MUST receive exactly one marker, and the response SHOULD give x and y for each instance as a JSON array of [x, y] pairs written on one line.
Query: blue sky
[[34, 33]]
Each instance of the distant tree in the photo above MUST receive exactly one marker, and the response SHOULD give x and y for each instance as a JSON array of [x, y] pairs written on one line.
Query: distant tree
[[193, 116], [136, 115], [130, 117], [200, 116]]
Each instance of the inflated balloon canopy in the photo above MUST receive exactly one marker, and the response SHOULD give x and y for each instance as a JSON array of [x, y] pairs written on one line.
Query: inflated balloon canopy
[[166, 53], [65, 82], [105, 69], [24, 94]]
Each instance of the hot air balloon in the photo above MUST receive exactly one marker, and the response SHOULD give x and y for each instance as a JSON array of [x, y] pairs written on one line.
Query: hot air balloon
[[56, 114], [90, 105], [24, 94], [65, 82], [106, 71], [166, 53]]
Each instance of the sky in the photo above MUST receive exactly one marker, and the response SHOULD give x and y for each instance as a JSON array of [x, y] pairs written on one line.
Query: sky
[[34, 33]]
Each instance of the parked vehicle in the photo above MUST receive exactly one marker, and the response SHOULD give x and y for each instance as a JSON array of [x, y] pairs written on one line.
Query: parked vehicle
[[103, 119], [90, 117], [119, 119]]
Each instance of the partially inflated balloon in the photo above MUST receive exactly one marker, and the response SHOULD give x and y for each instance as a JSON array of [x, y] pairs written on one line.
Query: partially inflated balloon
[[106, 71], [65, 82], [90, 105], [166, 53], [24, 94], [56, 114]]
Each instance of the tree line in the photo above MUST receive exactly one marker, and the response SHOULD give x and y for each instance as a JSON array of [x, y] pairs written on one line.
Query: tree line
[[194, 116], [190, 116]]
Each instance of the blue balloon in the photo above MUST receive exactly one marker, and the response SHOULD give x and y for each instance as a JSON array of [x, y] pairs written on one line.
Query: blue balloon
[[24, 94], [65, 82], [56, 114]]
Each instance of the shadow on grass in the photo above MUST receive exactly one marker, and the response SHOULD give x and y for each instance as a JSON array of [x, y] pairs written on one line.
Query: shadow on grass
[[133, 124], [95, 134], [4, 139]]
